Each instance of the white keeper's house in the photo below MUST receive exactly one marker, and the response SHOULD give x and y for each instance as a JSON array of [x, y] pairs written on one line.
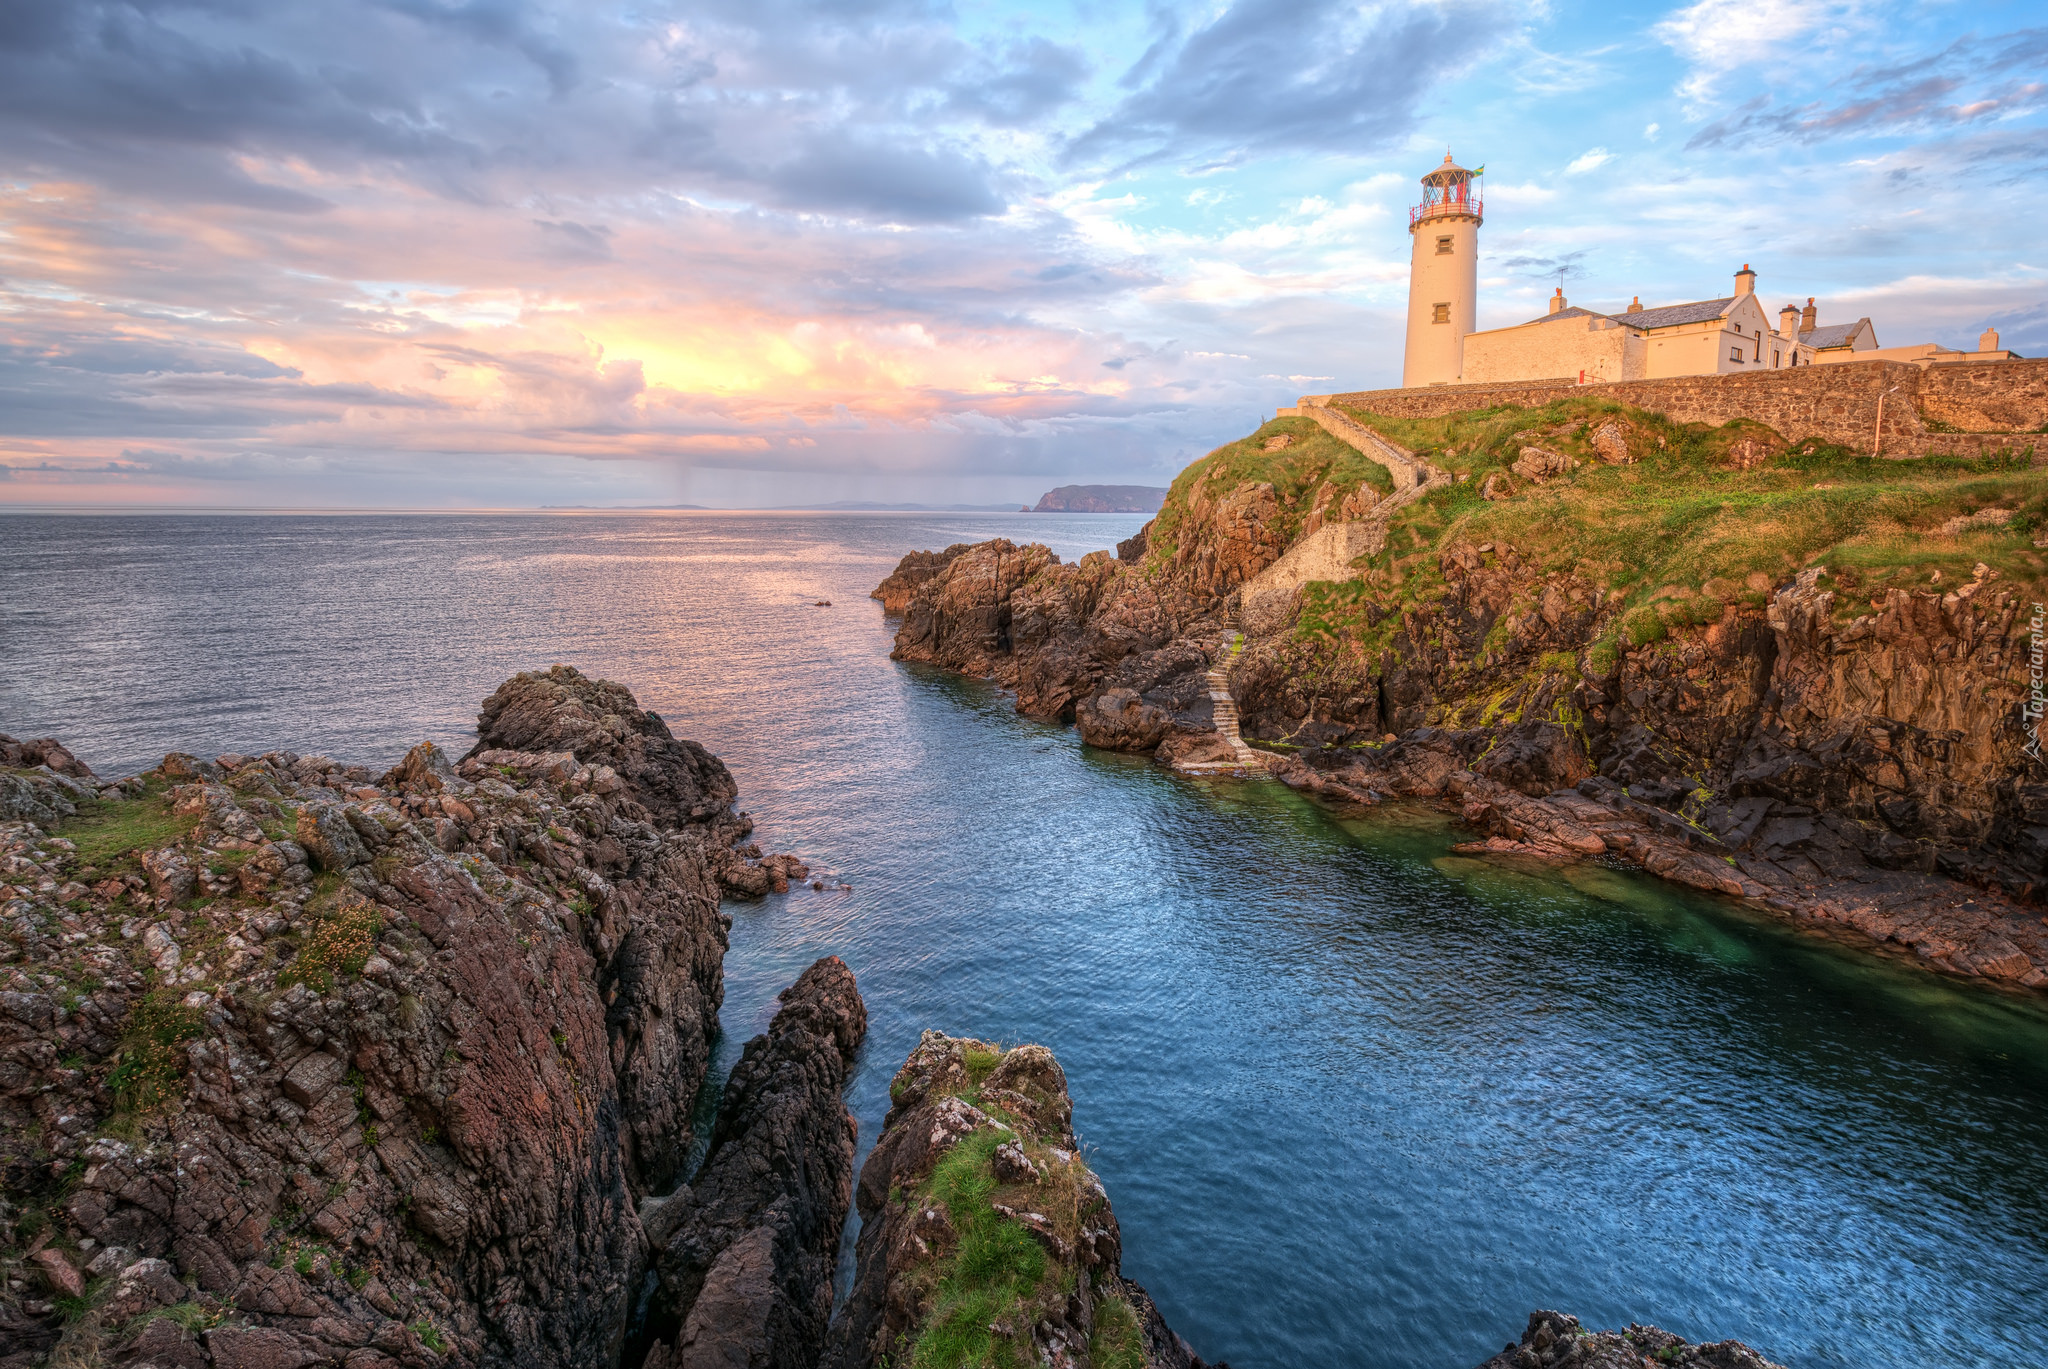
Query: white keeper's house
[[1725, 336]]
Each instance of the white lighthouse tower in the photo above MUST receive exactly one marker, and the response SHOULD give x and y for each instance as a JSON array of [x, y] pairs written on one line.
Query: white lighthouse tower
[[1443, 276]]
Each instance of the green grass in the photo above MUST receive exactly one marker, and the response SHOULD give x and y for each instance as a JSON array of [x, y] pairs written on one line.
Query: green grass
[[1296, 472], [152, 1055], [1118, 1342], [108, 830], [997, 1267], [1680, 534]]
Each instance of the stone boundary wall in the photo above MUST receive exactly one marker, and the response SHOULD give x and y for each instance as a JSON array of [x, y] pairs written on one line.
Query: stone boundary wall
[[2000, 406]]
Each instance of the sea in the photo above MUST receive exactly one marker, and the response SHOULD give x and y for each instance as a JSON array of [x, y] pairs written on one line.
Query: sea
[[1358, 1100]]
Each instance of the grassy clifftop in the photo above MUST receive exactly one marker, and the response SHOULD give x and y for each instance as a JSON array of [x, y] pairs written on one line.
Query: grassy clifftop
[[1310, 460], [1670, 521]]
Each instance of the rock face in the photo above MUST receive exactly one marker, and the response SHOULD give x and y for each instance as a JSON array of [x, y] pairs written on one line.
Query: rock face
[[981, 1224], [911, 572], [1873, 770], [365, 1072], [600, 724], [1556, 1341], [745, 1252]]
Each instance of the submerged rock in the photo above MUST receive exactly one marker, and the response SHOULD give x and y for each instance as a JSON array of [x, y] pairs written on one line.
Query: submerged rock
[[980, 1225], [1557, 1341]]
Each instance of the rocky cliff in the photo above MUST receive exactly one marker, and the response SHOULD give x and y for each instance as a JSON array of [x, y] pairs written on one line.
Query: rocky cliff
[[984, 1236], [300, 1066], [1601, 634]]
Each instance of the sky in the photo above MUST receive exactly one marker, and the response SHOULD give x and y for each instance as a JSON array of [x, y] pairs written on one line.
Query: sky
[[751, 253]]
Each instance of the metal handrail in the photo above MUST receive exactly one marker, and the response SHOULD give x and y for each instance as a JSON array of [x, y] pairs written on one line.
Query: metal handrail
[[1446, 209]]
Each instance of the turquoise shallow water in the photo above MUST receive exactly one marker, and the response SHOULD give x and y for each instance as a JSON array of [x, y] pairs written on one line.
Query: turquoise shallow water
[[1358, 1101]]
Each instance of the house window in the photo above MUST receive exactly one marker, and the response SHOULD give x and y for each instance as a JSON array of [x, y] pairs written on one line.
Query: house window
[[1443, 247], [1735, 354], [1440, 314], [1775, 357]]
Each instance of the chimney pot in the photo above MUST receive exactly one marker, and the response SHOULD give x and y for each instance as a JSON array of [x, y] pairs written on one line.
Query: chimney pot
[[1989, 341], [1810, 319], [1557, 301], [1635, 304], [1745, 281]]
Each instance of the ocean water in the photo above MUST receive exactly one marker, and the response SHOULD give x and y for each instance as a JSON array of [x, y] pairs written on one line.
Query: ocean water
[[1358, 1101]]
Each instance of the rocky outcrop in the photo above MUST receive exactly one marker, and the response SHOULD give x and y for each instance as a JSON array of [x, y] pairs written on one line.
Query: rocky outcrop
[[910, 573], [983, 1229], [300, 1068], [745, 1252], [601, 724], [1556, 1341]]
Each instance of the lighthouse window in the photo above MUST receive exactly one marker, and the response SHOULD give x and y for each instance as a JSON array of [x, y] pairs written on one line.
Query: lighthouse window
[[1443, 247], [1440, 314]]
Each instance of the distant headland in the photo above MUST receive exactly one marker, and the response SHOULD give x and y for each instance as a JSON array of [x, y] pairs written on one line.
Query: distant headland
[[1102, 499]]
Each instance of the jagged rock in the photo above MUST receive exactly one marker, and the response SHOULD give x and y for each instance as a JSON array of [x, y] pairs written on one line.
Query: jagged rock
[[600, 723], [961, 1104], [1119, 720], [47, 752], [402, 1116], [1534, 757], [911, 573], [1610, 443], [1541, 463], [749, 1247], [1556, 1341]]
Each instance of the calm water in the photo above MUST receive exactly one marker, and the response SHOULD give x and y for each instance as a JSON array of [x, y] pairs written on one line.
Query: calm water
[[1358, 1101]]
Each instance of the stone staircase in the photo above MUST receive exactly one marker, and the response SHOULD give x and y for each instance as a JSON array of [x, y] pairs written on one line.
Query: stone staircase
[[1224, 710]]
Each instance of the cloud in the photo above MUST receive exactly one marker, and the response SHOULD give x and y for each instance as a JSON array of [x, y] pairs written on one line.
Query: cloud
[[1264, 75], [1650, 132], [1971, 81], [1587, 161], [1720, 36]]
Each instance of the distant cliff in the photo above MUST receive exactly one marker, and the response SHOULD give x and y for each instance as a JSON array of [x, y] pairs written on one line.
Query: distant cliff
[[1102, 499]]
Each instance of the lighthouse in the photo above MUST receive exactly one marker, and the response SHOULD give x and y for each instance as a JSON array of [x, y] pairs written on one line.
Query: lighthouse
[[1443, 276]]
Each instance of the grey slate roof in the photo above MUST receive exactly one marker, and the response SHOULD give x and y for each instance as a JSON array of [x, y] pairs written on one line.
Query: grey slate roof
[[1573, 312], [1834, 335], [1670, 316]]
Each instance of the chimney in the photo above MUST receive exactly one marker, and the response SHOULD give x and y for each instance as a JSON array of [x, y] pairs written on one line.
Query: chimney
[[1745, 281], [1809, 320], [1635, 305], [1788, 321], [1557, 301], [1988, 342]]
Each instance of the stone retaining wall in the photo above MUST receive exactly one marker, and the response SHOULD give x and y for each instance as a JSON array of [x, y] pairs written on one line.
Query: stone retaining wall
[[2000, 406]]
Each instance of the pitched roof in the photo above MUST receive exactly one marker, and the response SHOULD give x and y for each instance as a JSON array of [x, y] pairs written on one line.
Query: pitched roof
[[1670, 316], [1834, 335], [1573, 312]]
